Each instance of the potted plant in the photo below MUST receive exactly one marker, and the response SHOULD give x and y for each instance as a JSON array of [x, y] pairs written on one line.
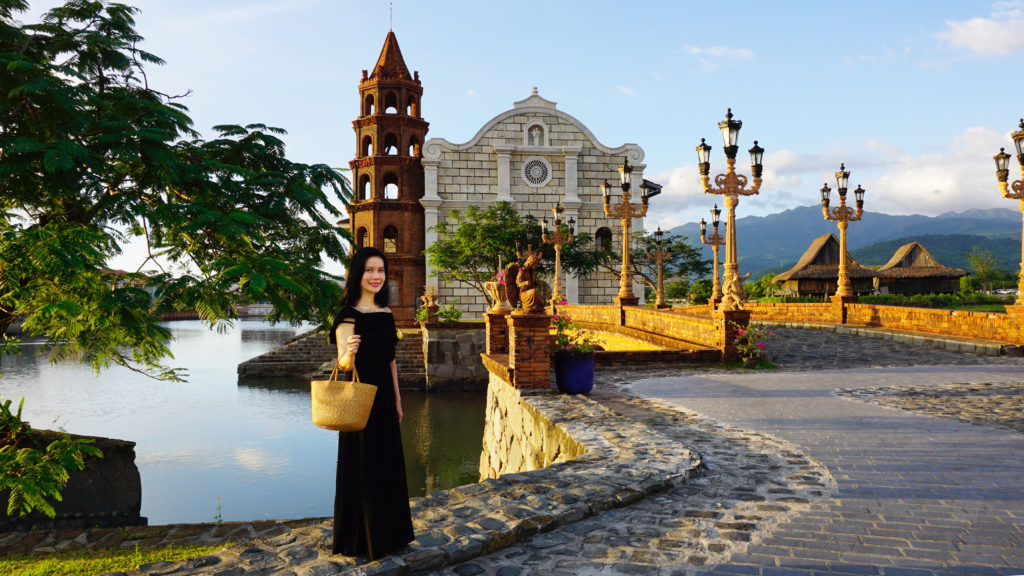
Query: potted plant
[[574, 356]]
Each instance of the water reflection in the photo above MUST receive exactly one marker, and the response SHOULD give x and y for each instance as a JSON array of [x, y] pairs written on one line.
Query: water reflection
[[252, 448]]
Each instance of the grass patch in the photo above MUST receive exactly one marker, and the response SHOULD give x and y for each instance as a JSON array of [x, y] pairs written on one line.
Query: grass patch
[[1001, 308], [91, 562]]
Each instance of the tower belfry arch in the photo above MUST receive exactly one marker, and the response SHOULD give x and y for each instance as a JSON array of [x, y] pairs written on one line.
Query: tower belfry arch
[[386, 212]]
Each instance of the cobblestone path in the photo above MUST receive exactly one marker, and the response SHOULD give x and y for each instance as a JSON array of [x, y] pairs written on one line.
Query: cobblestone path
[[914, 495]]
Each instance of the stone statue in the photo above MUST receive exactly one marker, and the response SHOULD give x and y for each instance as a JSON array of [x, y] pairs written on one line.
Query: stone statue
[[529, 287], [511, 289]]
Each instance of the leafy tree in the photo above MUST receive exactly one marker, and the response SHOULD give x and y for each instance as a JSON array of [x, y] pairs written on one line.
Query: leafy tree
[[983, 263], [762, 288], [92, 157], [472, 247], [683, 263], [701, 290], [677, 289]]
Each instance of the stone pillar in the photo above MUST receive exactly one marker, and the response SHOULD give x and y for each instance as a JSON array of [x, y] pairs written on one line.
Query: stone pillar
[[727, 324], [503, 153], [839, 307], [497, 332], [529, 350]]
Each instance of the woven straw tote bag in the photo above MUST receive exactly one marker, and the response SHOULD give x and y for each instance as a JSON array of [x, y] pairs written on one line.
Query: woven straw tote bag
[[342, 405]]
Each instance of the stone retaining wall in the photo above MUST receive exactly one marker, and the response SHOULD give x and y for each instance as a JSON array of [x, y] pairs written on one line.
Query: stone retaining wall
[[678, 325], [518, 438], [451, 351], [107, 493], [298, 357]]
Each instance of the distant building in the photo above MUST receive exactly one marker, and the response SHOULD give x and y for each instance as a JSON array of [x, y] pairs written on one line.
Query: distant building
[[817, 272], [913, 270]]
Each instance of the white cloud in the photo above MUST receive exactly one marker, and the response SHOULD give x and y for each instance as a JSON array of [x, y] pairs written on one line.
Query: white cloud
[[625, 90], [956, 179], [471, 93], [724, 52], [710, 56], [1000, 34]]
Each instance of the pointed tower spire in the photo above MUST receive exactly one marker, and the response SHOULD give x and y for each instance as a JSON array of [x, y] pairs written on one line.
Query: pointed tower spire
[[391, 65]]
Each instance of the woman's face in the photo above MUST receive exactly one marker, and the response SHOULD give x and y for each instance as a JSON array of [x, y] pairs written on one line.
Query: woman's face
[[373, 275]]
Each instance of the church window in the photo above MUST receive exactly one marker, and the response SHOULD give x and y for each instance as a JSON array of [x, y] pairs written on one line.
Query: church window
[[364, 187], [412, 109], [361, 237], [367, 145], [536, 172], [390, 186], [368, 105], [603, 239], [391, 103], [414, 147], [390, 240], [390, 145]]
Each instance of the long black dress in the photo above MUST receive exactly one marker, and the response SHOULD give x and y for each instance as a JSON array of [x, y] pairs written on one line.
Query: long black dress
[[371, 501]]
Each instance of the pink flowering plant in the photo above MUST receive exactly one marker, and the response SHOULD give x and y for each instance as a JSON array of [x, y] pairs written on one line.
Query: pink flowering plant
[[571, 337], [751, 340]]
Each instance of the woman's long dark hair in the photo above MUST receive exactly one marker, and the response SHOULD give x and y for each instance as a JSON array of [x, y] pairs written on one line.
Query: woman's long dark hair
[[354, 279]]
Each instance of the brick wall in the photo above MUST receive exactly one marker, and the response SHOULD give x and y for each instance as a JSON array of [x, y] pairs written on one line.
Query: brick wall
[[798, 312], [981, 325], [688, 327]]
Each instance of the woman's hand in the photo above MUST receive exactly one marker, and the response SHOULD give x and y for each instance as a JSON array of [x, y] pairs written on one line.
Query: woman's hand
[[398, 408], [353, 344]]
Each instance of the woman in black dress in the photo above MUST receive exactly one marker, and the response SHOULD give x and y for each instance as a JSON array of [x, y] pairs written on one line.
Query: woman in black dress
[[371, 502]]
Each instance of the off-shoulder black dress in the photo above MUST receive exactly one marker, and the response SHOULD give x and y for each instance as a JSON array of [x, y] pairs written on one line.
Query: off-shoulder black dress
[[371, 502]]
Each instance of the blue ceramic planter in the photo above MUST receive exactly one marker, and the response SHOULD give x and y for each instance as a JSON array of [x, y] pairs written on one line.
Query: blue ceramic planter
[[574, 373]]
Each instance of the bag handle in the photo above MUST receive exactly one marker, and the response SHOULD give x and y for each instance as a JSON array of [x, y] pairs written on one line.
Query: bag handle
[[337, 367]]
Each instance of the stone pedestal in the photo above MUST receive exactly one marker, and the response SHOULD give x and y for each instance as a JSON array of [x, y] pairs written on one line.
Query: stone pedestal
[[839, 307], [529, 350], [497, 332], [727, 324], [627, 300]]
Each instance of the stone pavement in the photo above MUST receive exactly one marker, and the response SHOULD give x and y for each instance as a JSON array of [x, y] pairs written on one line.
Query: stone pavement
[[913, 495]]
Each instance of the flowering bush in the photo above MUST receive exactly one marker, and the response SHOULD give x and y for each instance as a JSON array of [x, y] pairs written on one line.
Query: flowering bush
[[499, 277], [571, 337], [430, 291], [750, 341]]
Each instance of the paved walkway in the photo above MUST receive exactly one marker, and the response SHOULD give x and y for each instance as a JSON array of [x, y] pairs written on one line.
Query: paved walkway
[[913, 495]]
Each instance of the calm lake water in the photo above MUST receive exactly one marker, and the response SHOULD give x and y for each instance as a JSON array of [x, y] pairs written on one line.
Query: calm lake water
[[212, 447]]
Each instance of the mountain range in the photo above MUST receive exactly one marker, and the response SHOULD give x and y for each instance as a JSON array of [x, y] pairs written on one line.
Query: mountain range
[[774, 243]]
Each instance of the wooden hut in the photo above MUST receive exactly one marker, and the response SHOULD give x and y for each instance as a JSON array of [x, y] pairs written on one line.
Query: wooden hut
[[817, 272], [913, 270]]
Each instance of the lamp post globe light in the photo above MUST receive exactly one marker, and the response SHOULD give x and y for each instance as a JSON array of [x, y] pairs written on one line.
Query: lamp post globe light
[[626, 211], [843, 215], [659, 255], [730, 185], [715, 240], [1002, 176], [557, 238]]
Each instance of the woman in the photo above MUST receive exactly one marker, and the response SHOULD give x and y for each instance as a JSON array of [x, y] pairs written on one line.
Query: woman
[[371, 503]]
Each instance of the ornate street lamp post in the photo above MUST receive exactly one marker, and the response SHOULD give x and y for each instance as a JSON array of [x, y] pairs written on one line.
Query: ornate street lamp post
[[715, 240], [625, 211], [557, 239], [1002, 175], [730, 185], [659, 255], [843, 215]]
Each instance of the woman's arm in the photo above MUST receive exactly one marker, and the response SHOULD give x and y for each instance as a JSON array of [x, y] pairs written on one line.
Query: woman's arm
[[398, 395], [348, 345]]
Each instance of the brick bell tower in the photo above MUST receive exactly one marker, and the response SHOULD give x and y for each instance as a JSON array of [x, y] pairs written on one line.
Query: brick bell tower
[[387, 175]]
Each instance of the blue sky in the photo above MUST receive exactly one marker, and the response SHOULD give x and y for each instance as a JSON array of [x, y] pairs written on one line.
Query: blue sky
[[915, 97]]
